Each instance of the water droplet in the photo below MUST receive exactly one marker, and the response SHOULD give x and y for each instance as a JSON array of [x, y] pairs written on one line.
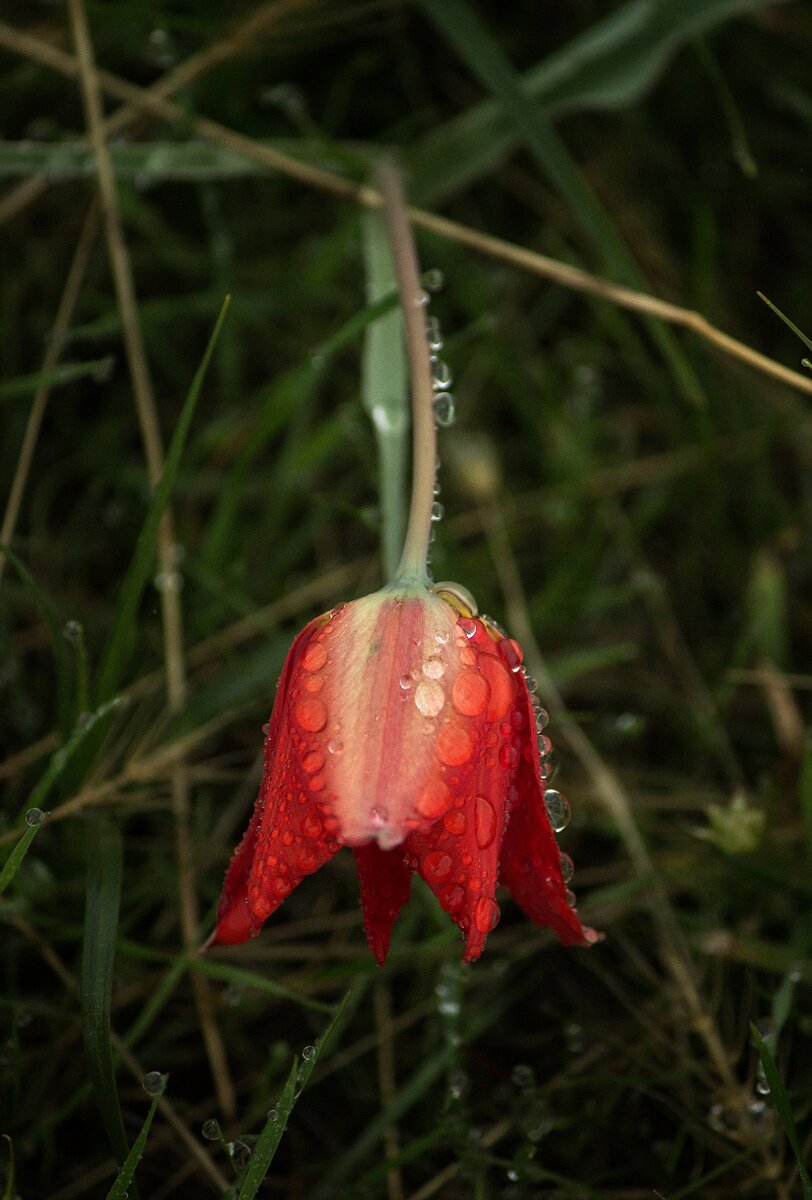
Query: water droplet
[[429, 698], [455, 822], [570, 897], [433, 799], [433, 333], [470, 693], [542, 717], [34, 817], [558, 809], [312, 762], [467, 625], [452, 897], [168, 581], [335, 746], [549, 769], [315, 656], [211, 1130], [545, 746], [434, 668], [532, 685], [484, 822], [567, 867], [762, 1087], [444, 410], [486, 914], [457, 1083], [421, 298], [508, 756], [512, 653], [309, 1053], [437, 511], [311, 714], [441, 376], [454, 745], [272, 1115], [312, 826], [72, 632], [437, 866], [152, 1083], [433, 279], [523, 1076]]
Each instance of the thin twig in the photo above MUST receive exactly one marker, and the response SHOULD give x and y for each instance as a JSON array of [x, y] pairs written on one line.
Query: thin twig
[[318, 177], [56, 340], [171, 612]]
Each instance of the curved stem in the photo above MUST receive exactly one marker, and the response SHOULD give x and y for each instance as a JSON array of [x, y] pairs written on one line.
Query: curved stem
[[414, 559]]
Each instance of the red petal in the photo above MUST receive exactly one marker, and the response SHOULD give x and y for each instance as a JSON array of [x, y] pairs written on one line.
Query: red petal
[[288, 836], [385, 881], [530, 862]]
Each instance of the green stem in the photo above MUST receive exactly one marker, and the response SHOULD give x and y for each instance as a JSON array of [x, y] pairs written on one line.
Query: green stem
[[414, 559]]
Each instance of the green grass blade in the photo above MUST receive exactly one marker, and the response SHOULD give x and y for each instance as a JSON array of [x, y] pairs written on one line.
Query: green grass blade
[[120, 1189], [268, 1141], [123, 635], [606, 68], [485, 58], [384, 389], [27, 385], [238, 976], [12, 863], [781, 1101], [104, 873], [790, 324]]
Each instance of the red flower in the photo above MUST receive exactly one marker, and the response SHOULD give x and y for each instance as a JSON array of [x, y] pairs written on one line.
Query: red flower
[[405, 728]]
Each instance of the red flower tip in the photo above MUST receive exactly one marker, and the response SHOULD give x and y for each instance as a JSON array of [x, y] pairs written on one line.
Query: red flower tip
[[406, 728]]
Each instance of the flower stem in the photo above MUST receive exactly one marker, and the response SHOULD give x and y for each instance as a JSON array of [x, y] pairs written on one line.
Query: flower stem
[[414, 559]]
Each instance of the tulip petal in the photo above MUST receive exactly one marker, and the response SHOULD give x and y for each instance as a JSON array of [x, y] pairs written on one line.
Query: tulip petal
[[385, 881], [531, 862]]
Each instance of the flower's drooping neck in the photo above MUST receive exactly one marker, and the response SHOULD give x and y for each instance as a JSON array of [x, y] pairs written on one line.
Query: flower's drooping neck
[[414, 559]]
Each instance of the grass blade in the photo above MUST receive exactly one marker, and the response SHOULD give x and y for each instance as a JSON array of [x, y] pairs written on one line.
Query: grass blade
[[18, 853], [781, 1101], [790, 324], [120, 1189], [485, 58], [268, 1141], [104, 872], [122, 637], [8, 1190]]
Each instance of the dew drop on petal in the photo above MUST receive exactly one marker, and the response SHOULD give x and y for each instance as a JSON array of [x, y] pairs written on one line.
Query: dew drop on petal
[[468, 626], [313, 762], [311, 713], [433, 668], [429, 698], [558, 809], [545, 746], [567, 867], [508, 756], [512, 652], [317, 783], [486, 914], [335, 746], [570, 897], [314, 657], [311, 826], [484, 822], [406, 681], [433, 799], [501, 684], [437, 866], [455, 822], [452, 897], [470, 693], [454, 745]]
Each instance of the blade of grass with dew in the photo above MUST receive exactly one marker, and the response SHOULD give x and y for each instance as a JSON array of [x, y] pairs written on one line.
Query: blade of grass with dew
[[123, 635], [384, 389], [104, 874], [249, 979], [608, 67], [268, 1141], [121, 1186], [485, 58], [791, 325], [58, 763], [780, 1099]]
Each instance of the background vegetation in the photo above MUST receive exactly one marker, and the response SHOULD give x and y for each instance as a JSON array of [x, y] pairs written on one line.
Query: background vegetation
[[630, 498]]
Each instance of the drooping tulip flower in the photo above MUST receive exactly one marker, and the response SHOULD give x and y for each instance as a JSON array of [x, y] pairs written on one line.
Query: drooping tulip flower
[[404, 728]]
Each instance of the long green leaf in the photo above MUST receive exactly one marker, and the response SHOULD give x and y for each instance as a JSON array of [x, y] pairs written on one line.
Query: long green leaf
[[120, 1189], [607, 67], [384, 389], [780, 1099], [123, 635], [485, 58], [104, 873], [268, 1141]]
